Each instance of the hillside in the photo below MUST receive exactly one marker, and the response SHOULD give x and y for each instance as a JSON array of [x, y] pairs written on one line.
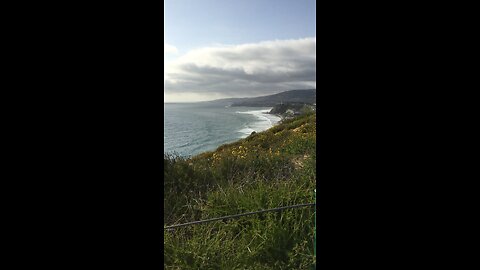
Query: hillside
[[288, 110], [265, 170], [307, 96]]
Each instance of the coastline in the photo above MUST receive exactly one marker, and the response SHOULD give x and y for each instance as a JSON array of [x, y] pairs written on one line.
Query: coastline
[[243, 137], [264, 121], [258, 120], [279, 116]]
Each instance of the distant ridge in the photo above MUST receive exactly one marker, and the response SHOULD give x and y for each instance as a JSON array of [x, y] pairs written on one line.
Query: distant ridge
[[307, 96]]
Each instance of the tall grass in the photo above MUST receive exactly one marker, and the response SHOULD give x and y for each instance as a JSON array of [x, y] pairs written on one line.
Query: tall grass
[[265, 170]]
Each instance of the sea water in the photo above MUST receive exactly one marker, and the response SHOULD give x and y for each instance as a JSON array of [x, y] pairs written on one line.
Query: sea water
[[193, 128]]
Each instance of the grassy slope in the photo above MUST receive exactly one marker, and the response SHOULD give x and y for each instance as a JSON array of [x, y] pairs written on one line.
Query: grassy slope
[[266, 170]]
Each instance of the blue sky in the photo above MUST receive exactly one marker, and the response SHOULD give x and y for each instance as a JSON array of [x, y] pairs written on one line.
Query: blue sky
[[197, 31]]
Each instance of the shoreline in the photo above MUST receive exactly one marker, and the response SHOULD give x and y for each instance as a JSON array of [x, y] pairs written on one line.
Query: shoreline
[[263, 120], [278, 115]]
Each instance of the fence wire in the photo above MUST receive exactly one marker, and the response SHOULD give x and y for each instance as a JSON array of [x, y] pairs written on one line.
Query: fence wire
[[278, 209]]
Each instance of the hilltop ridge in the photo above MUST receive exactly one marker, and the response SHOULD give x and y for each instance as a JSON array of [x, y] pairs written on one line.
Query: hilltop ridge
[[307, 96]]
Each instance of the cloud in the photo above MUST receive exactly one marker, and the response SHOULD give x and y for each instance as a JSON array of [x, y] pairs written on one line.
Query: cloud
[[244, 70], [170, 49]]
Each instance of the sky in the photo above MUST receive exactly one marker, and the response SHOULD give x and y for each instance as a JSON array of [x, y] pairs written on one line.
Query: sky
[[237, 48]]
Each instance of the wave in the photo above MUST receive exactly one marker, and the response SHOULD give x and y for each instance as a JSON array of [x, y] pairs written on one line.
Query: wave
[[245, 132], [263, 122], [184, 144]]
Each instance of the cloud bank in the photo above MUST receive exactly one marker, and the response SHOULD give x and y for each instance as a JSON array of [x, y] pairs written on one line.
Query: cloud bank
[[243, 70]]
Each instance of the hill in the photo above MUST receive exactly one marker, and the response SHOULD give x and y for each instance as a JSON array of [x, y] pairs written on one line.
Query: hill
[[265, 170], [288, 110], [307, 96]]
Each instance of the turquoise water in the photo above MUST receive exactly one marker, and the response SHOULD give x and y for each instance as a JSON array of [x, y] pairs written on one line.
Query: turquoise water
[[190, 129]]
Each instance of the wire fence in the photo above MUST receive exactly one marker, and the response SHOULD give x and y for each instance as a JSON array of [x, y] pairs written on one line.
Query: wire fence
[[278, 209]]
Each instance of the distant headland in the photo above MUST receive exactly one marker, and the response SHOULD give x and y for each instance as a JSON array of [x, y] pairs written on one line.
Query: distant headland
[[303, 96]]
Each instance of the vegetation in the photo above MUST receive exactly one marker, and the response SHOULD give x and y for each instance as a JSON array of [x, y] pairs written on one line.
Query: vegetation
[[265, 170], [286, 110]]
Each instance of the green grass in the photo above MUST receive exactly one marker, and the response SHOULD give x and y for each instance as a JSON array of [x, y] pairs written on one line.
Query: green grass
[[266, 170]]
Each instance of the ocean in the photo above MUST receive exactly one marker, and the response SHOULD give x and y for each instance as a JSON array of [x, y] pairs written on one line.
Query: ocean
[[194, 128]]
